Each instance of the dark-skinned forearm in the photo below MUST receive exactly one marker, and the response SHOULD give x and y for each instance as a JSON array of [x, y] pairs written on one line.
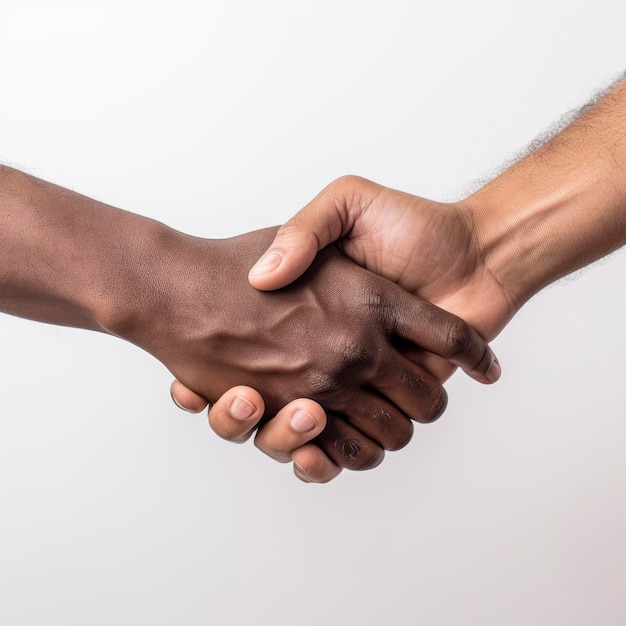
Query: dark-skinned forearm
[[70, 260]]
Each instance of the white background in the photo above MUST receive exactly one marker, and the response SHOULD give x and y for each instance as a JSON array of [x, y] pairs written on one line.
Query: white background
[[221, 117]]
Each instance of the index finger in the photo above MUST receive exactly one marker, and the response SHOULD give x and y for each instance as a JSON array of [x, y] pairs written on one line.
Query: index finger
[[414, 319]]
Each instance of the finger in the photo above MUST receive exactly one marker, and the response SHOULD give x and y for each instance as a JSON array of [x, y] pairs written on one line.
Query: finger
[[186, 399], [435, 365], [416, 392], [293, 426], [348, 447], [328, 217], [311, 465], [380, 420], [236, 414], [444, 334]]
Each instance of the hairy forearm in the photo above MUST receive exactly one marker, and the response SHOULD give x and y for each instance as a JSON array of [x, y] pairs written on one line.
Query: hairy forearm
[[67, 259], [562, 206]]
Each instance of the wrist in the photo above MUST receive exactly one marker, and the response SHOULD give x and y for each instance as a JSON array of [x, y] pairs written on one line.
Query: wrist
[[153, 286], [67, 259], [133, 274], [561, 207], [511, 240], [533, 234]]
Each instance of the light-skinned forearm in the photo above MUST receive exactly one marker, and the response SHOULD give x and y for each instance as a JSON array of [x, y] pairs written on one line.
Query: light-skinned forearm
[[561, 207]]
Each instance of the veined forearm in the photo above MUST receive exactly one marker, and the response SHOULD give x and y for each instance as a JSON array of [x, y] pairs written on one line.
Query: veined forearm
[[561, 207]]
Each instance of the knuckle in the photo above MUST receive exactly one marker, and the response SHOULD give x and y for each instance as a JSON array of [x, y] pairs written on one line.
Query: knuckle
[[347, 181], [288, 228], [398, 434], [355, 355], [412, 384], [374, 300], [384, 426], [431, 397], [348, 449], [351, 193], [391, 431], [324, 384], [296, 232], [438, 404], [458, 338], [349, 361], [379, 308], [353, 454]]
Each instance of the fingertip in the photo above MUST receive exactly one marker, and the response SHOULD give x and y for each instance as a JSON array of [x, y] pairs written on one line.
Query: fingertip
[[247, 394], [236, 413], [308, 416], [294, 426], [292, 251], [267, 264], [241, 409], [272, 273], [186, 399]]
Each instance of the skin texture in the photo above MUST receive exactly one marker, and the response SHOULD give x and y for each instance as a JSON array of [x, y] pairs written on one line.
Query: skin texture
[[556, 210], [340, 333]]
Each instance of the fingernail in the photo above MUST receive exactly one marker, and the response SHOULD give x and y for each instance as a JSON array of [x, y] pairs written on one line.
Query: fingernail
[[267, 264], [241, 409], [302, 422], [178, 404], [495, 371]]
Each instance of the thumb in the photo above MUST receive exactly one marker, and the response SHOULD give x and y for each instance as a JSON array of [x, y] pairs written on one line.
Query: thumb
[[328, 217], [290, 254]]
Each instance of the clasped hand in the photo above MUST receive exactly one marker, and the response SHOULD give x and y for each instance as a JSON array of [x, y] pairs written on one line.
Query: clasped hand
[[375, 355]]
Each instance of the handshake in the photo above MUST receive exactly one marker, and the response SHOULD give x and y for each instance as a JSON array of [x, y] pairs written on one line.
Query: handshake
[[327, 322], [338, 328], [335, 349]]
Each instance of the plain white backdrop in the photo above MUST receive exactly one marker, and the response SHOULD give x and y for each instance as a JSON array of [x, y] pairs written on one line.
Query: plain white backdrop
[[221, 117]]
